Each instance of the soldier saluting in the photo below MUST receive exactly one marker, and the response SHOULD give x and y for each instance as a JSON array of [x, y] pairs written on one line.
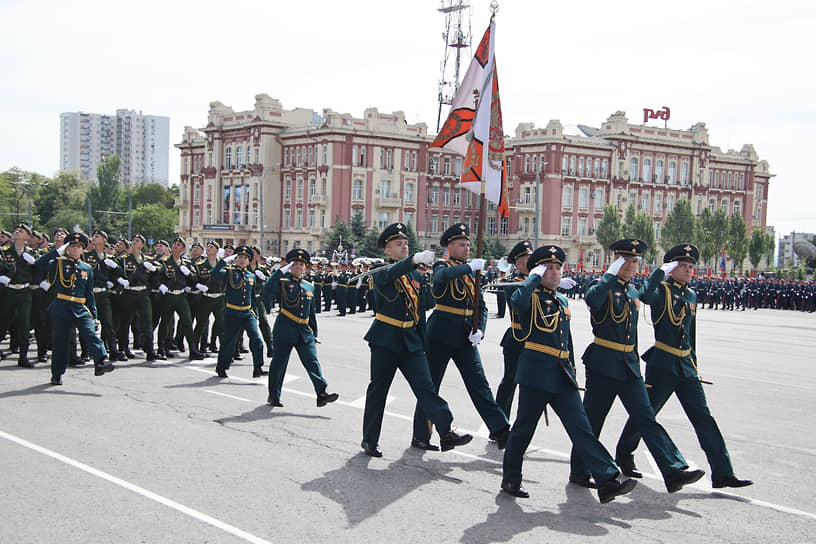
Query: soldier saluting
[[74, 305], [671, 364]]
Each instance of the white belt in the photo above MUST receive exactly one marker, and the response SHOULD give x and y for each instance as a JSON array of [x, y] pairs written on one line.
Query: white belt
[[97, 290], [136, 288], [176, 292], [213, 295], [18, 286]]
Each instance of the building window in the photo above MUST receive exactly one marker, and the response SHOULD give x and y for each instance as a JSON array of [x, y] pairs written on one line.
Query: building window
[[657, 204], [299, 217], [239, 157], [311, 156], [287, 189], [433, 165], [491, 225], [354, 155], [565, 226], [684, 173], [385, 189], [362, 161], [644, 202], [297, 157], [228, 158], [659, 171], [409, 218], [599, 199], [409, 192], [357, 190], [716, 179], [566, 197], [582, 226], [737, 206], [572, 166], [457, 166], [444, 225], [413, 161], [672, 172], [197, 218], [197, 192], [669, 203], [447, 166], [468, 199], [728, 185], [434, 195], [526, 225], [604, 167], [312, 218], [526, 163], [434, 223], [446, 196], [287, 221], [286, 157], [724, 205], [583, 197], [312, 187], [323, 219], [504, 226], [647, 170], [300, 189], [325, 154], [742, 182], [581, 166], [457, 196], [711, 204], [564, 165]]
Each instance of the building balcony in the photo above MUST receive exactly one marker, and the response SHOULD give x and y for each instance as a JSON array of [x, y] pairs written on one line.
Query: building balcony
[[525, 207], [318, 199], [391, 201]]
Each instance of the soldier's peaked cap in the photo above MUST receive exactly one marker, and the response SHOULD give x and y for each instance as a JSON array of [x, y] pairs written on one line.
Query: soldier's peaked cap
[[520, 250], [459, 230], [393, 231], [546, 254], [244, 250], [682, 252], [76, 238], [298, 254], [630, 247]]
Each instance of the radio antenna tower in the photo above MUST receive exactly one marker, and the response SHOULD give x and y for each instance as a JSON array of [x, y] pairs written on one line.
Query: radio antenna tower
[[456, 37]]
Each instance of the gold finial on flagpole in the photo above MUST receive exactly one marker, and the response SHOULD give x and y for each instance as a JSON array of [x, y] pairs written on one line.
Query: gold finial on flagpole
[[494, 7]]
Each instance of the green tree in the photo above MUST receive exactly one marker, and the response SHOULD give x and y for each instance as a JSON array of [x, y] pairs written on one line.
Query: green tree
[[64, 192], [367, 245], [23, 187], [627, 227], [105, 196], [756, 247], [680, 226], [770, 248], [608, 229], [704, 241], [737, 243], [714, 234], [358, 228], [8, 201], [643, 229], [69, 219], [413, 240], [154, 221]]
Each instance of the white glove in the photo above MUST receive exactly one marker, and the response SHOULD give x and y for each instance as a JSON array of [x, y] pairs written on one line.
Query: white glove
[[567, 283], [163, 289], [424, 257], [231, 258], [475, 337], [188, 290], [286, 268], [260, 274], [109, 285], [539, 270], [28, 258], [184, 270], [110, 263], [334, 284], [476, 264], [359, 283], [123, 282], [5, 280], [668, 267], [61, 249], [615, 267], [44, 285], [201, 287], [150, 267], [220, 253]]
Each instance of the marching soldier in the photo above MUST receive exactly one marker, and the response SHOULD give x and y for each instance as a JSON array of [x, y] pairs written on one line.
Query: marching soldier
[[136, 297], [511, 342], [328, 287], [16, 274], [39, 286], [613, 369], [261, 271], [212, 301], [340, 286], [397, 341], [104, 274], [176, 273], [240, 285], [671, 364], [546, 375], [451, 335], [295, 327], [74, 305]]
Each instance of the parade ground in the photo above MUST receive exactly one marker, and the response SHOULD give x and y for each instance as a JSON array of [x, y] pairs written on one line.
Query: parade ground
[[167, 452]]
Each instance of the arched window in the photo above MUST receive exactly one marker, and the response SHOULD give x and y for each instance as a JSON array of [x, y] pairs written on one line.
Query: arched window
[[228, 158], [647, 170], [357, 190], [633, 169], [566, 197]]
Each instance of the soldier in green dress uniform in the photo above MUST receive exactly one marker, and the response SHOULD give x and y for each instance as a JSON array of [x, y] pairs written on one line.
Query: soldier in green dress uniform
[[177, 273], [17, 275], [613, 368], [39, 286], [136, 304], [397, 341], [671, 364], [262, 272], [212, 300], [451, 335], [74, 305], [295, 327], [546, 375], [105, 272], [340, 286]]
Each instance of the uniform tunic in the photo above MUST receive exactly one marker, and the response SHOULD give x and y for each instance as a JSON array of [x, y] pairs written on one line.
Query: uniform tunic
[[240, 285]]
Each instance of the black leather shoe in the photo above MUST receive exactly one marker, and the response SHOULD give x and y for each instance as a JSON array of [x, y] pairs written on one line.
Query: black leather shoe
[[324, 398], [25, 363], [451, 439], [371, 449], [242, 349], [196, 355], [56, 380], [238, 357], [514, 489], [501, 436], [123, 356], [99, 370], [258, 372], [42, 358], [583, 480], [423, 445], [85, 358], [151, 356], [114, 356], [680, 478], [76, 362], [613, 488], [629, 469], [274, 402], [129, 354], [731, 481], [221, 373]]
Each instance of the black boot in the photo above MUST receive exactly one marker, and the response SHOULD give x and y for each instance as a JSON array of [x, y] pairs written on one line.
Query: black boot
[[23, 360]]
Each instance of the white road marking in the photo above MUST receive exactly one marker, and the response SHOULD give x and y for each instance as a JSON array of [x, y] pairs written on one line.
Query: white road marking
[[218, 524], [360, 402]]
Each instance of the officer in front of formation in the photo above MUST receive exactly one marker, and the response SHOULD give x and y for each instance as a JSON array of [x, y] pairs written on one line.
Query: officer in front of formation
[[613, 369], [546, 375], [295, 327], [74, 305], [511, 342], [397, 341], [240, 285], [671, 364], [451, 335]]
